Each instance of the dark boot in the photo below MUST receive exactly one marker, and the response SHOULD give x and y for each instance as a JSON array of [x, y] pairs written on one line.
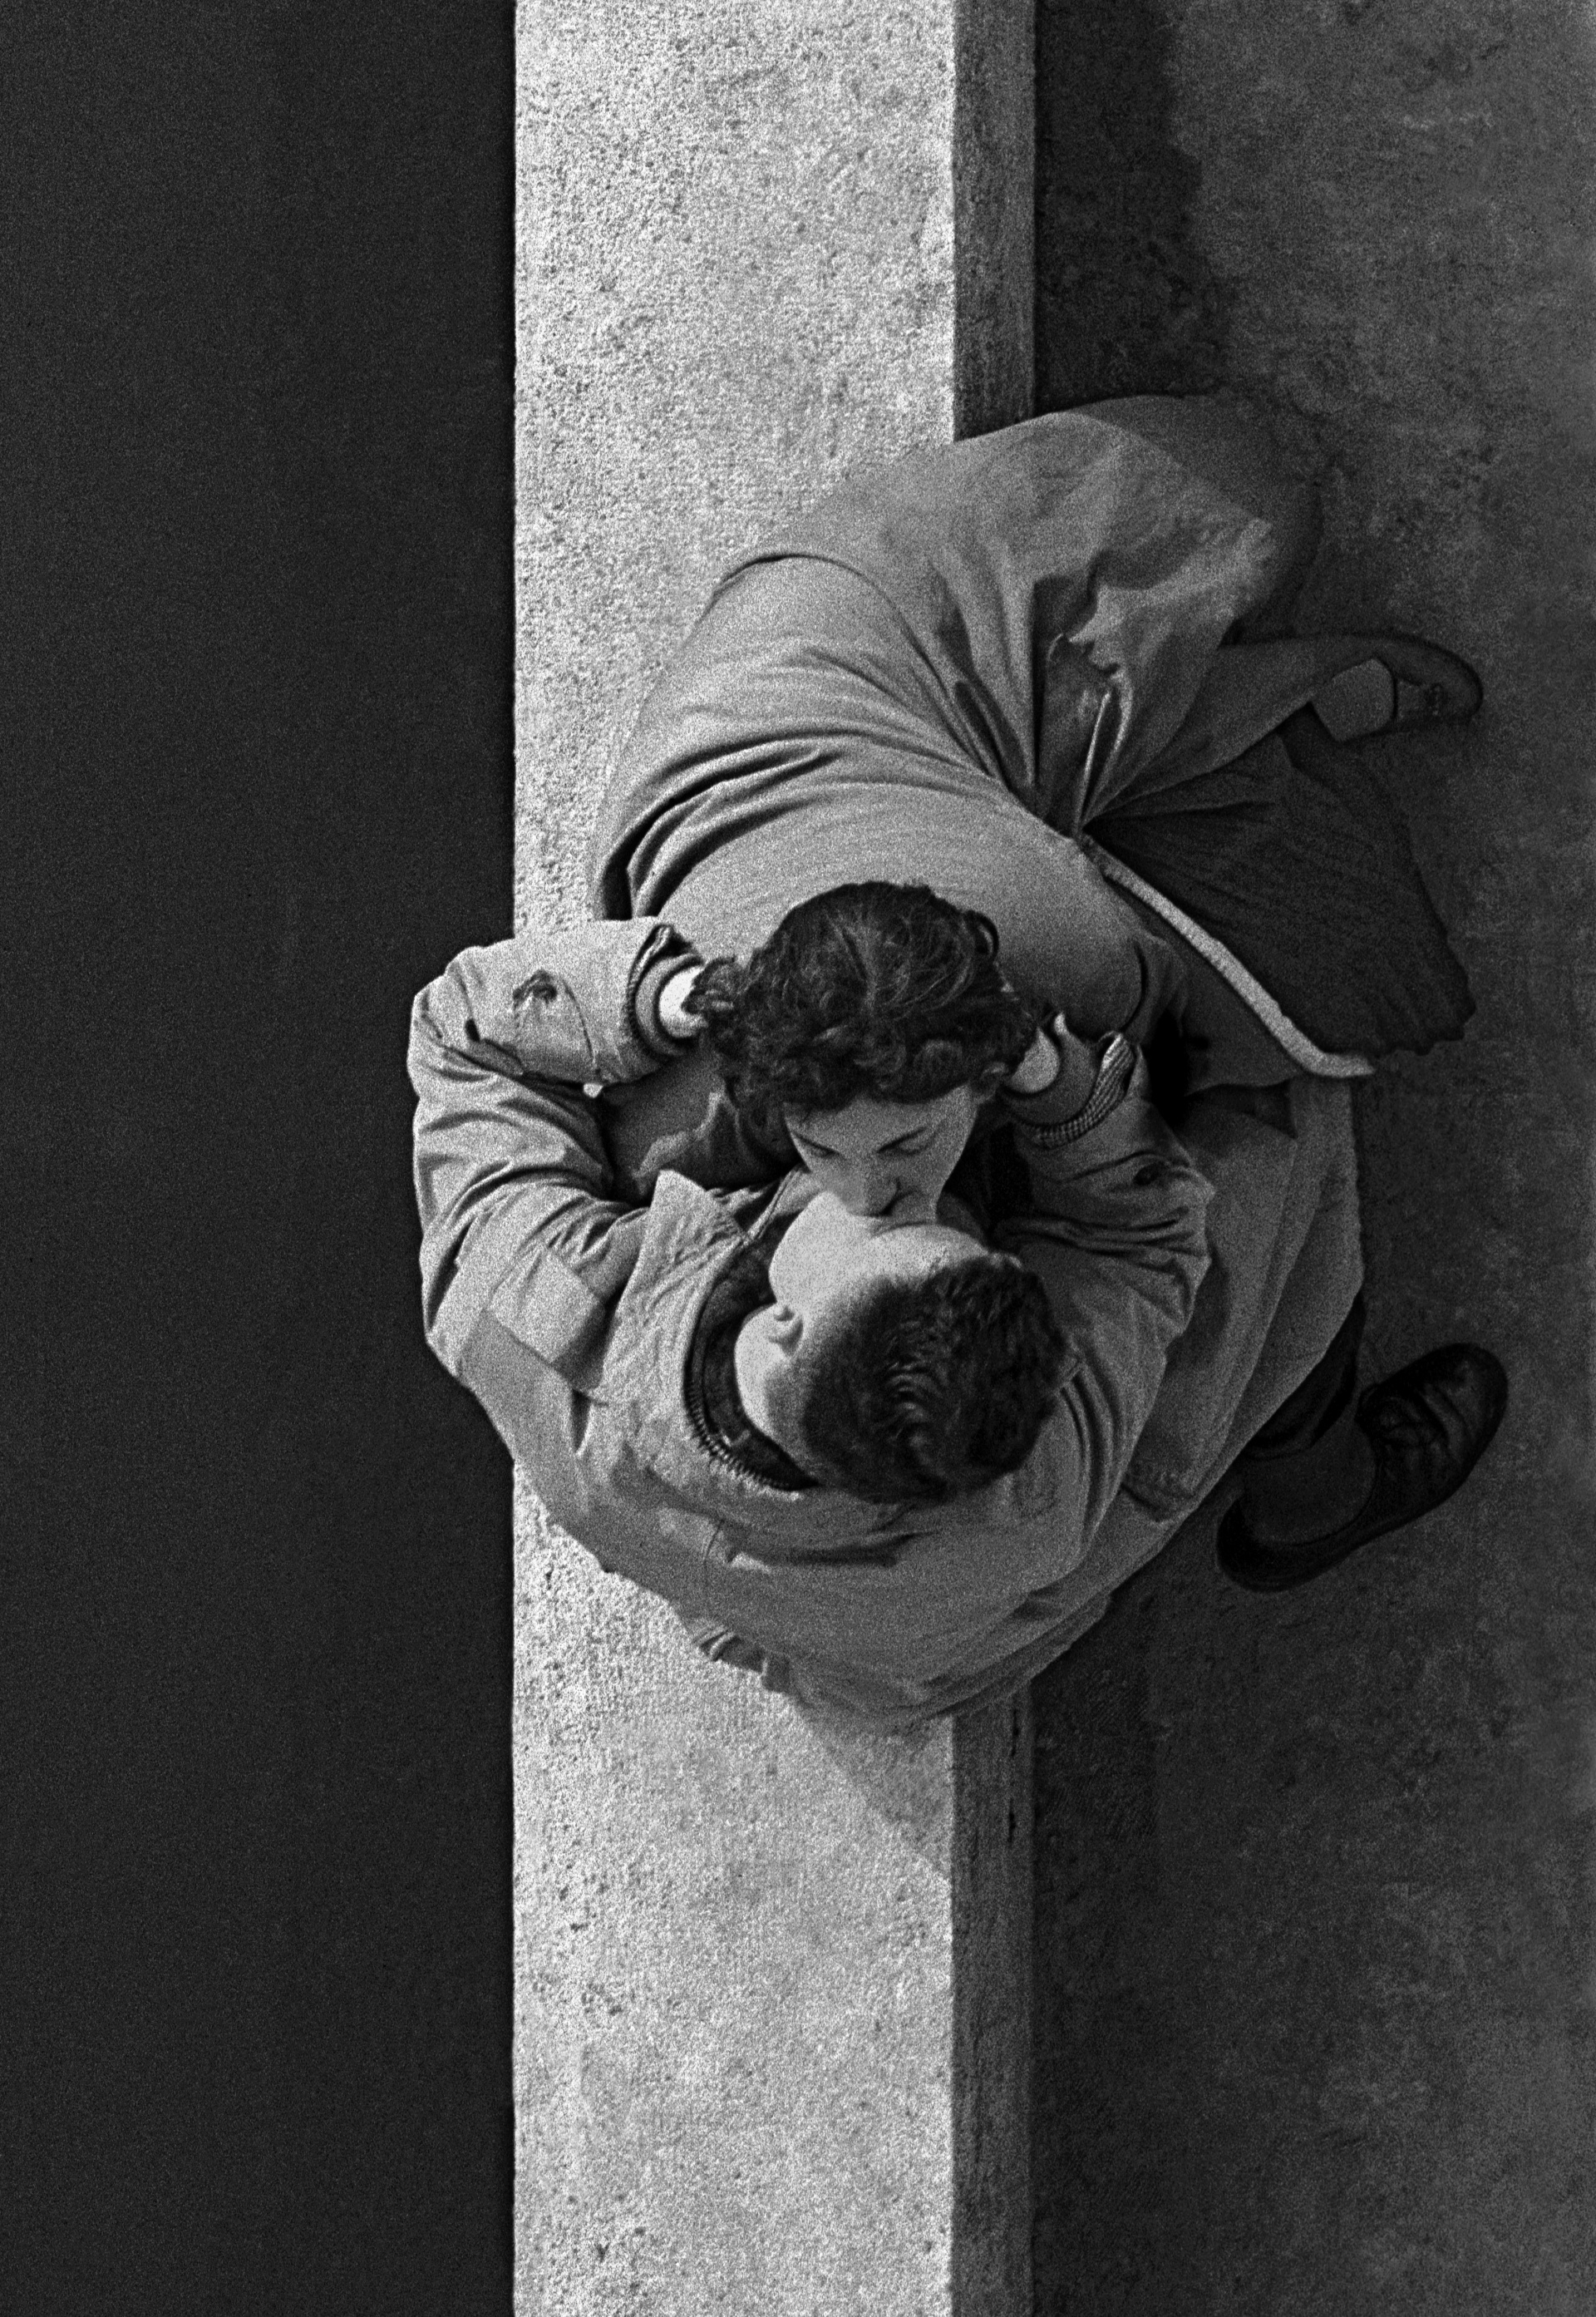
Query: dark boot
[[1429, 1424]]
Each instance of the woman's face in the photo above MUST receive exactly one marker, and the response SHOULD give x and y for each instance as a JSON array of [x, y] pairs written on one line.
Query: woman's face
[[886, 1158]]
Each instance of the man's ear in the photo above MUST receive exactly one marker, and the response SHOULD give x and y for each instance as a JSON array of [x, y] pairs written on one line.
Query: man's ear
[[776, 1324], [765, 1355]]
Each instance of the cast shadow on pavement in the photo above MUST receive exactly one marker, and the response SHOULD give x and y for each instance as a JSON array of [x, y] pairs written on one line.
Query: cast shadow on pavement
[[1313, 1897]]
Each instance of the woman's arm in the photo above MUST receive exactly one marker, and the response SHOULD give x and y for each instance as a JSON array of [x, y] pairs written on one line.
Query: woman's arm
[[1117, 1232]]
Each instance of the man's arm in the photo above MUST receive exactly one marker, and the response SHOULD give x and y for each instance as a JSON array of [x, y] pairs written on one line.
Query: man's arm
[[1115, 1233], [511, 1168]]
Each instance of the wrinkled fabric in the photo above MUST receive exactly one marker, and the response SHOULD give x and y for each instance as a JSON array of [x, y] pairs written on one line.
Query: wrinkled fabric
[[955, 670], [1285, 1268], [1197, 1279], [1294, 858]]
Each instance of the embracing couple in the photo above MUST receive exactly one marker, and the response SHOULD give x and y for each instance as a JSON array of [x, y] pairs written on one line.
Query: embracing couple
[[928, 1177]]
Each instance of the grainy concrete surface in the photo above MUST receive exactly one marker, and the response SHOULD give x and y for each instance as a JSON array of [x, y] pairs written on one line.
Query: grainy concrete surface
[[748, 2074], [1315, 1876], [736, 260]]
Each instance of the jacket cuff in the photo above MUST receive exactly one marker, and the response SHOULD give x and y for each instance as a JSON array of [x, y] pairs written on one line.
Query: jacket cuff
[[654, 967], [1133, 1129], [1117, 1063], [1059, 1103]]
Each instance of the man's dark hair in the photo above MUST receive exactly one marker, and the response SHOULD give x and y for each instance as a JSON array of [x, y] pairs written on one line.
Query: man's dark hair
[[934, 1386], [876, 989]]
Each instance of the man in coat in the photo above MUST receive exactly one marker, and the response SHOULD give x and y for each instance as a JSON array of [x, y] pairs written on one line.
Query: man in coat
[[1035, 671], [605, 1334]]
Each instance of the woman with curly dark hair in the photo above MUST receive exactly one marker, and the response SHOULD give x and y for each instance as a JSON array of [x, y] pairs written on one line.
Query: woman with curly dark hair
[[865, 1039], [869, 1031], [1046, 680], [961, 785], [1048, 673]]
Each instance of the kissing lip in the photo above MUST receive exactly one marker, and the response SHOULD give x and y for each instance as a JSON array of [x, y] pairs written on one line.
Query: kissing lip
[[910, 1207]]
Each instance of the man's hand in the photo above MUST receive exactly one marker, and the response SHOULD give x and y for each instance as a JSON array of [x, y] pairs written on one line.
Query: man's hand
[[675, 1019]]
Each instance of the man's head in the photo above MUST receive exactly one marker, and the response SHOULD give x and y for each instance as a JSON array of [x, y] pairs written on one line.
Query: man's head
[[899, 1360]]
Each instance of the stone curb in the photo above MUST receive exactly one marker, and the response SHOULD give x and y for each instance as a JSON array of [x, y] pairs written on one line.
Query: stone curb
[[772, 1979]]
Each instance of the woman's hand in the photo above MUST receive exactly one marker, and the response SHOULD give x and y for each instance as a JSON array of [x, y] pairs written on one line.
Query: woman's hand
[[1038, 1066], [1055, 1054]]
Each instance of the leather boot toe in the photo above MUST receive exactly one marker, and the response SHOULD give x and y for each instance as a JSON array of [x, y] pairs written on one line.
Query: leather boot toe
[[1429, 1424]]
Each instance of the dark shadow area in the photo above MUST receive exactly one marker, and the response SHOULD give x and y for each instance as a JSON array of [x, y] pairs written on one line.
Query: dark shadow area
[[1126, 302], [256, 265], [1314, 1896]]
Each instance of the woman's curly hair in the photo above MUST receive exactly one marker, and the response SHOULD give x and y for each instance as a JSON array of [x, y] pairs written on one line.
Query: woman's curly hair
[[876, 989]]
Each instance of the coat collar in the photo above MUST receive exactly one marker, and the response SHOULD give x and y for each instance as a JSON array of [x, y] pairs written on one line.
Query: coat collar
[[694, 1240]]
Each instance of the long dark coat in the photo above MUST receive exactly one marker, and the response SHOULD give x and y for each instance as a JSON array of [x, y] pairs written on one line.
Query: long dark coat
[[1041, 671]]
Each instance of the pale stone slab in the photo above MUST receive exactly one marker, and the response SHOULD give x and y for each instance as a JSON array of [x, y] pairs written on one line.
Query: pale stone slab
[[773, 1978]]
